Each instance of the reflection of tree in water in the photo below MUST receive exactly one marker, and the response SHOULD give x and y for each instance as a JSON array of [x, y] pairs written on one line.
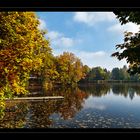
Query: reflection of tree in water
[[40, 112], [67, 107], [126, 90], [120, 89], [17, 114], [96, 90], [36, 114], [131, 93], [136, 87], [14, 116], [72, 102]]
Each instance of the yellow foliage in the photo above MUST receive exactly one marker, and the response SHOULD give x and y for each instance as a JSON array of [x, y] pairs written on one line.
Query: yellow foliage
[[23, 49]]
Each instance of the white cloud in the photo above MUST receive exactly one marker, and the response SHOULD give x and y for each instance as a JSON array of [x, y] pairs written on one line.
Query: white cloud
[[54, 35], [118, 28], [90, 18], [42, 24], [100, 58], [68, 42], [95, 59], [60, 40], [91, 54]]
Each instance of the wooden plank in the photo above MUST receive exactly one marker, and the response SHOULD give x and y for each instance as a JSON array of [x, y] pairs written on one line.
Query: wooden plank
[[37, 98]]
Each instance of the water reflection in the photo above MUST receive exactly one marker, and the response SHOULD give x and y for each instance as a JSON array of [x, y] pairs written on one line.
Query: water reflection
[[99, 90], [15, 115], [126, 90], [41, 114], [72, 103], [96, 90]]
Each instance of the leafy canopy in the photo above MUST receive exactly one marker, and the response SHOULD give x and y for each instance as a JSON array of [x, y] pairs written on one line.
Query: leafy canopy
[[23, 49], [130, 49]]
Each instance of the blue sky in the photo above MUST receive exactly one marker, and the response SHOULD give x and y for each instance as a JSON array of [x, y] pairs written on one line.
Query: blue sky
[[91, 36]]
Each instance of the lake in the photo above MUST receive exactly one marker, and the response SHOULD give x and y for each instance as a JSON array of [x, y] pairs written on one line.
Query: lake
[[85, 106]]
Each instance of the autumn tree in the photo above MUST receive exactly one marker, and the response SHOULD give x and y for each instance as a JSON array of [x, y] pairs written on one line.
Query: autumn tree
[[49, 73], [23, 49], [86, 69], [70, 68], [130, 49]]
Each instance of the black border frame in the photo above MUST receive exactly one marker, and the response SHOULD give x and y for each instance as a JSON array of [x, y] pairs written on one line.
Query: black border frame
[[68, 6]]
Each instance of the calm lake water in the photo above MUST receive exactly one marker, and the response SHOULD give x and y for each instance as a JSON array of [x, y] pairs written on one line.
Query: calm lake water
[[86, 106]]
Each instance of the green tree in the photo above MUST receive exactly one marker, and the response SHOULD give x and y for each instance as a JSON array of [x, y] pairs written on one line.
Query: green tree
[[107, 74], [97, 73], [124, 75], [135, 77], [23, 49], [128, 16], [115, 74], [130, 49]]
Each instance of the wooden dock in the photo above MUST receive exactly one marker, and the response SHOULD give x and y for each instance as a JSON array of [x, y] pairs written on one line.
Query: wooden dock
[[36, 98]]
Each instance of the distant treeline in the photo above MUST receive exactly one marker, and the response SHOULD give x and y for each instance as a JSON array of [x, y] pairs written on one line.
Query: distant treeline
[[99, 75], [67, 69]]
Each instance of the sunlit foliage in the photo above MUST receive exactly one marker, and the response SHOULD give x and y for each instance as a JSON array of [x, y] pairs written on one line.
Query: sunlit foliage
[[65, 69], [70, 68], [23, 49]]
